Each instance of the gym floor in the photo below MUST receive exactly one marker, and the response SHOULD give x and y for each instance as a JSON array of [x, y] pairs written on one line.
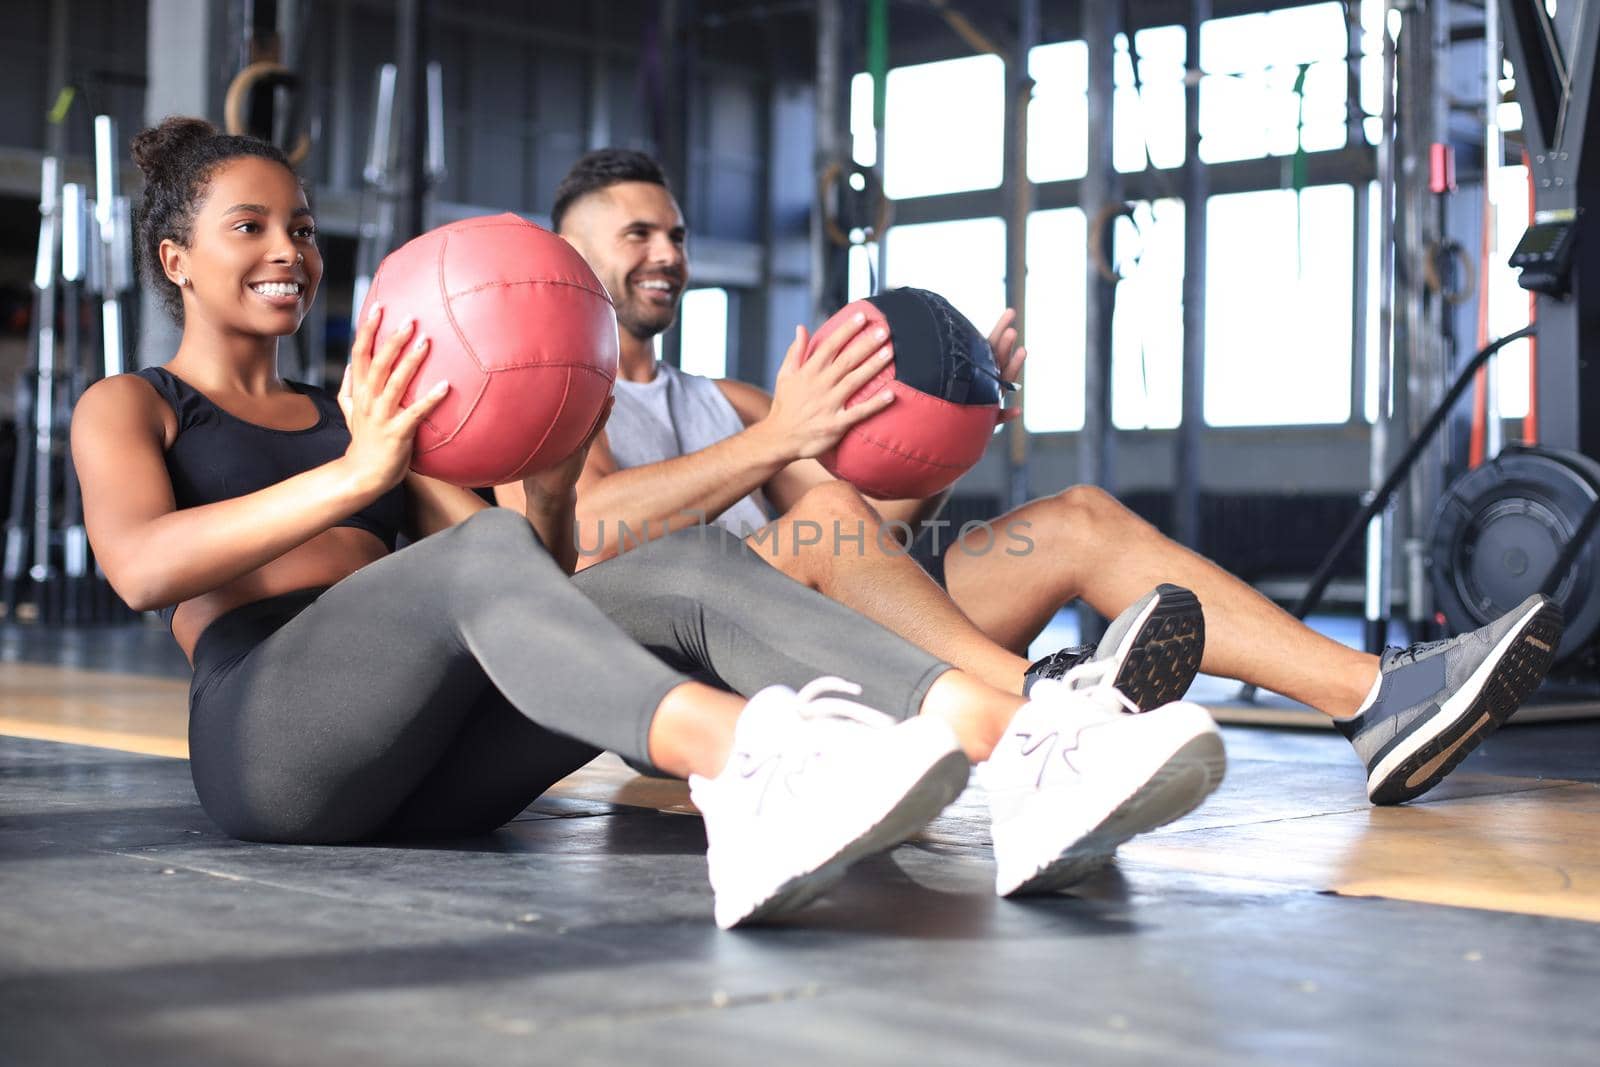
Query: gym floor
[[1285, 921]]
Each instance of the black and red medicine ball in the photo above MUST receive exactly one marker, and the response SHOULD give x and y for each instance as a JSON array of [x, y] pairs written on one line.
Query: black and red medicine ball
[[946, 398]]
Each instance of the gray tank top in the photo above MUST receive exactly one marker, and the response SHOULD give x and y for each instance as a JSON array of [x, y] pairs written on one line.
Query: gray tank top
[[673, 415]]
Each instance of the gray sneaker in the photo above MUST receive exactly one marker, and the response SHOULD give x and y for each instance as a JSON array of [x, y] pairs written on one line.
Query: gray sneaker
[[1156, 646], [1436, 701]]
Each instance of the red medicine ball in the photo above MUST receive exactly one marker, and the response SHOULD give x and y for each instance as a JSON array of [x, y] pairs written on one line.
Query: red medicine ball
[[523, 331], [946, 398]]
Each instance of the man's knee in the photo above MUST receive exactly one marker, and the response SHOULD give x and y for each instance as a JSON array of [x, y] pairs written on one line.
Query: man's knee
[[828, 522], [832, 501], [1087, 506], [1073, 521]]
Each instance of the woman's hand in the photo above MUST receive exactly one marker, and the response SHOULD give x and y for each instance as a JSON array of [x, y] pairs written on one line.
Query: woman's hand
[[381, 431]]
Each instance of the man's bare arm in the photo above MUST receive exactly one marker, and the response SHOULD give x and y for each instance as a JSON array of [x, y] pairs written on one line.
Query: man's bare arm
[[786, 487], [618, 509], [805, 418]]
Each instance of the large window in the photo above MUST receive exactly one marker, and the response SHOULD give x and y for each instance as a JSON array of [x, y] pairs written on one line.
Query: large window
[[1147, 121], [1273, 82], [1278, 306], [944, 123], [1279, 335], [704, 346], [1058, 115], [1057, 293], [964, 261], [1147, 327], [1508, 301]]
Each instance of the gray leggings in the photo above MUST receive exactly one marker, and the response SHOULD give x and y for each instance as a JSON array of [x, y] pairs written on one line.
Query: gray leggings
[[440, 690]]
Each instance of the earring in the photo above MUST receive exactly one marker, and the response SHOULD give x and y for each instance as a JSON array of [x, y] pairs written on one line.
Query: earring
[[183, 281]]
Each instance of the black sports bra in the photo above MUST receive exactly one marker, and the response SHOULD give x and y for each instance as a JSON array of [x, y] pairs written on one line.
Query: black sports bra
[[218, 456]]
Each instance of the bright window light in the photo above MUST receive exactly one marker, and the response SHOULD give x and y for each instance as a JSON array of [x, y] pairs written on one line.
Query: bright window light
[[1374, 336], [1057, 298], [963, 261], [1248, 106], [1371, 89], [863, 271], [1508, 301], [1058, 114], [704, 348], [944, 126], [1156, 114], [1278, 306], [1147, 326], [863, 140]]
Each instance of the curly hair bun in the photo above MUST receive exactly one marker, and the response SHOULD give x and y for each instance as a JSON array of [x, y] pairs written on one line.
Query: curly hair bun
[[161, 146]]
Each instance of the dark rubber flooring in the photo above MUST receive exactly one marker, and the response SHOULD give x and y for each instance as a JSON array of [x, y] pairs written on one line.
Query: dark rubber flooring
[[132, 932]]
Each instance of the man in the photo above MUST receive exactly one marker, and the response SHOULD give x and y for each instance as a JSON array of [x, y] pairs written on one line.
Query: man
[[678, 447]]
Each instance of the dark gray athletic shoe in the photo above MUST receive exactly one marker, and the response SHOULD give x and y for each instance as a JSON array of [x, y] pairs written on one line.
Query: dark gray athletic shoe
[[1156, 645], [1436, 701]]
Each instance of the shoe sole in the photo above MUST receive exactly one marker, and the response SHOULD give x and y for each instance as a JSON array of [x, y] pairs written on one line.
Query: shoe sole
[[1161, 654], [1178, 787], [1507, 677], [938, 785]]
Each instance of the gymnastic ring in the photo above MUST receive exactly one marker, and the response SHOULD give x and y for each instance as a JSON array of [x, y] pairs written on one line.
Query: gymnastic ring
[[238, 99], [835, 172], [1098, 229], [1434, 279]]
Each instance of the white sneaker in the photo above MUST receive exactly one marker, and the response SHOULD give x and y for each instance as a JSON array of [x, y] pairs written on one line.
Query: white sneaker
[[814, 783], [1075, 776]]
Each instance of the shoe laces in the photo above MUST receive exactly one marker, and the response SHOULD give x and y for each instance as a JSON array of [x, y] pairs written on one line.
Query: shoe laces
[[1412, 653], [1092, 681], [815, 701], [1059, 662]]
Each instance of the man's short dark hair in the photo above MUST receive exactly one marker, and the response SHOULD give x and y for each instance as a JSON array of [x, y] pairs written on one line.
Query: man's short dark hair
[[601, 169]]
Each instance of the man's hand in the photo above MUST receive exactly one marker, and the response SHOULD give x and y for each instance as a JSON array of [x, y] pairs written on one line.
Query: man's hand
[[1008, 355], [808, 414], [558, 482]]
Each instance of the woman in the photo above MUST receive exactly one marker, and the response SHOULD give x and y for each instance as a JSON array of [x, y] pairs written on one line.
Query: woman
[[344, 691]]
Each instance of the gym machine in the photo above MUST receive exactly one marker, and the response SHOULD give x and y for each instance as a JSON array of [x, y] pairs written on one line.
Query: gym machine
[[84, 260], [1524, 521]]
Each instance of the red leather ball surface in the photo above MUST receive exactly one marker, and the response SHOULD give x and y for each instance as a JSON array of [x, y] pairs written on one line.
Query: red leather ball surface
[[523, 331], [918, 445]]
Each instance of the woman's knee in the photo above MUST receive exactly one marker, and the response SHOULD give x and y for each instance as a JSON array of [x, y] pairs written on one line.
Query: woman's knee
[[492, 545]]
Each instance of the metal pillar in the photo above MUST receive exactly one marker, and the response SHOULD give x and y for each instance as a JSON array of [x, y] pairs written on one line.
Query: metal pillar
[[1101, 192], [829, 266], [599, 125], [183, 80], [675, 39], [1102, 188], [1019, 195], [411, 107], [1196, 188], [1418, 344], [1378, 603]]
